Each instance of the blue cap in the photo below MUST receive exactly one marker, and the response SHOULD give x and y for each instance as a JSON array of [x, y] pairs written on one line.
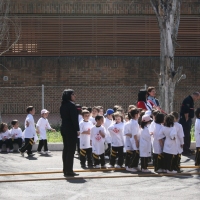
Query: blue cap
[[109, 112]]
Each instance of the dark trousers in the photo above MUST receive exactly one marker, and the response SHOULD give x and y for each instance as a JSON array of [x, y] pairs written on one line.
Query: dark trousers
[[27, 146], [117, 151], [107, 151], [169, 161], [197, 157], [144, 162], [187, 137], [86, 153], [15, 141], [134, 159], [177, 162], [6, 142], [97, 161], [78, 145], [69, 148], [129, 153], [158, 161], [41, 144]]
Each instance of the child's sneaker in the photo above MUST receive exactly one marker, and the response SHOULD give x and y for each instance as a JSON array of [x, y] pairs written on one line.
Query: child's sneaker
[[97, 166], [30, 155], [47, 152], [171, 172], [146, 170], [118, 166], [111, 166], [106, 157], [131, 169], [11, 151], [40, 152], [22, 153], [159, 171]]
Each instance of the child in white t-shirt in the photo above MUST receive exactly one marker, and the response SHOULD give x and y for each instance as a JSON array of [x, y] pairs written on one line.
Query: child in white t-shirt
[[85, 147], [95, 112], [4, 136], [133, 115], [145, 142], [29, 132], [42, 126], [97, 139], [117, 140], [108, 120], [168, 131], [80, 118], [135, 133], [197, 137], [179, 141], [158, 157], [16, 134]]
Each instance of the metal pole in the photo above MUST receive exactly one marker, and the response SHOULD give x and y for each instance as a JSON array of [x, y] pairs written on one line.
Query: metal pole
[[42, 96]]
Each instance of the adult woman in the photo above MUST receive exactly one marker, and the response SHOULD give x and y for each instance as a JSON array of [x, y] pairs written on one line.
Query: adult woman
[[142, 101], [151, 96], [69, 130]]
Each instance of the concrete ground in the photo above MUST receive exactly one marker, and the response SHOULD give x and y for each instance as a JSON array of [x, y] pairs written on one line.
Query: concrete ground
[[142, 188]]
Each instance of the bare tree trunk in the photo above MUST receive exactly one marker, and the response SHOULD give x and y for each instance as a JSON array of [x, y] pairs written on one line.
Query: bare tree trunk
[[168, 16], [6, 24]]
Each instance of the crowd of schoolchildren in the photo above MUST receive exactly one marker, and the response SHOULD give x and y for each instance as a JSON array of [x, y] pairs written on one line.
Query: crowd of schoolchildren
[[122, 138], [28, 137]]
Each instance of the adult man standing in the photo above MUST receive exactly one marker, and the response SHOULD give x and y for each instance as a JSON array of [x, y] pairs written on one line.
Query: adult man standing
[[186, 115]]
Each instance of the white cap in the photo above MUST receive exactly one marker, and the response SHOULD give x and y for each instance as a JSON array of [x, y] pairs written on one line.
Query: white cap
[[146, 118], [148, 112], [44, 111]]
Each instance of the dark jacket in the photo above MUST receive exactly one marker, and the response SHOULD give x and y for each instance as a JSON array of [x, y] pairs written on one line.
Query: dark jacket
[[69, 116]]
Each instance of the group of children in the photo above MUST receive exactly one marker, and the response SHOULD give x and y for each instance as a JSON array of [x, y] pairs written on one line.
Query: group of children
[[133, 136], [119, 137], [28, 137]]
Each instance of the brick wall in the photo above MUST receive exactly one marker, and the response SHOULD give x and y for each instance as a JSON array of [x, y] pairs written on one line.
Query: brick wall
[[98, 81]]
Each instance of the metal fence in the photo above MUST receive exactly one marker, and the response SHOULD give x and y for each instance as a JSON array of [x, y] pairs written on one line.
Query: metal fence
[[14, 100]]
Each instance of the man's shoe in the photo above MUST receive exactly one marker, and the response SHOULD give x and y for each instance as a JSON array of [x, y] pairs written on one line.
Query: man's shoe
[[71, 174]]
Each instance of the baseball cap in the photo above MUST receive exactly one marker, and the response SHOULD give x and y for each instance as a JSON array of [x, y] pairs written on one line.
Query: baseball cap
[[146, 118], [44, 111], [148, 112], [109, 112]]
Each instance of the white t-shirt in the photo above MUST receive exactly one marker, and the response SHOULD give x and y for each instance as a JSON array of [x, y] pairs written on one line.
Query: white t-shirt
[[85, 138], [29, 131], [17, 132], [127, 130], [92, 119], [43, 125], [197, 132], [157, 149], [170, 133], [180, 137], [5, 135], [97, 140], [107, 123], [145, 143], [135, 130], [117, 135]]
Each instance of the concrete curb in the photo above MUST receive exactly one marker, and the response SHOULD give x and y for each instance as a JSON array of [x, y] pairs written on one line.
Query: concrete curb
[[59, 146]]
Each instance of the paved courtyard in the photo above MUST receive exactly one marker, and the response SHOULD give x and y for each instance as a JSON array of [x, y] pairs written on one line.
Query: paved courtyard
[[163, 187]]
